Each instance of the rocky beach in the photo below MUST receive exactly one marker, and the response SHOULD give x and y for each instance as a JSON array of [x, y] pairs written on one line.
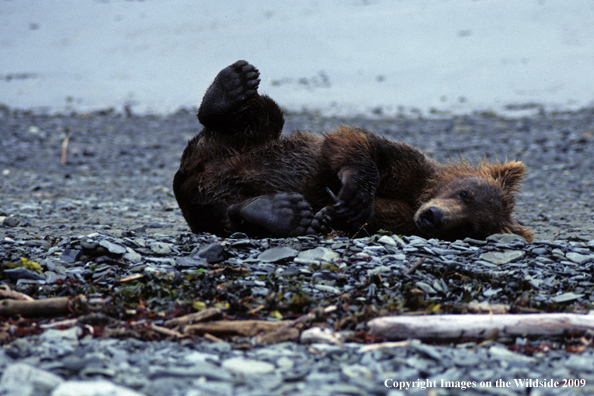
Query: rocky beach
[[89, 221]]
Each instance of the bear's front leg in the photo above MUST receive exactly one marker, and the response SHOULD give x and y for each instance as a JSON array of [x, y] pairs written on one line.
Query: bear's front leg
[[354, 202], [281, 215]]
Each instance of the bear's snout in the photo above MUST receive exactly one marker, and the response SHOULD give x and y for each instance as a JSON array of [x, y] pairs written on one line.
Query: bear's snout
[[431, 217]]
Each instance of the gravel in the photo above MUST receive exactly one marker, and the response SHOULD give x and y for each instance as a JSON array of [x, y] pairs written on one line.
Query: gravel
[[106, 225]]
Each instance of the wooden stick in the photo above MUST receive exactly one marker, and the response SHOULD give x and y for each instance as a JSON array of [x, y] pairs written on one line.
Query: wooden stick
[[414, 266], [158, 329], [291, 329], [437, 327], [233, 327], [488, 308], [212, 338], [65, 145], [318, 335], [5, 291], [279, 335], [384, 345], [193, 317], [67, 323], [131, 278]]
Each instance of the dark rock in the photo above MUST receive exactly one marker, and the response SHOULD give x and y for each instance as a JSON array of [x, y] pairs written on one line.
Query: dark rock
[[213, 253], [191, 262], [11, 222], [70, 256], [15, 274]]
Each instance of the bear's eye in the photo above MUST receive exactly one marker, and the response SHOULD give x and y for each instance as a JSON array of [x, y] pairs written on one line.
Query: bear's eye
[[464, 194]]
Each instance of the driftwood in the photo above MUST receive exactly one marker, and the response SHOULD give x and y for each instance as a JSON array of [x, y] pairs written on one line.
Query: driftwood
[[279, 335], [65, 145], [49, 307], [6, 292], [233, 327], [475, 307], [291, 329], [435, 327], [193, 317], [318, 335], [415, 266], [382, 346]]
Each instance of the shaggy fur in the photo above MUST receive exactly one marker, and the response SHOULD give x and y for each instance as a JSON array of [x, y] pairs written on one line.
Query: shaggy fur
[[240, 174]]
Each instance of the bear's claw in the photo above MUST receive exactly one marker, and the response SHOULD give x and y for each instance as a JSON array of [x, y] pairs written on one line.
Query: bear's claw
[[355, 207]]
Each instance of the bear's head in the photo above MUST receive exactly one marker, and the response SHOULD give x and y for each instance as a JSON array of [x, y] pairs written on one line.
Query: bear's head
[[465, 201]]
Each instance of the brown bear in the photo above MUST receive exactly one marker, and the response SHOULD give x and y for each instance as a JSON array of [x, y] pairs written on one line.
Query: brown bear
[[240, 174]]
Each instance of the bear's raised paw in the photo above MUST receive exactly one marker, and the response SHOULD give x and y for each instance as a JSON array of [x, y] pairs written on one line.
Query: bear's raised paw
[[232, 87]]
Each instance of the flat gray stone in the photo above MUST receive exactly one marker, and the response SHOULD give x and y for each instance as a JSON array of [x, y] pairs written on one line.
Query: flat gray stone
[[23, 379], [565, 297], [247, 367], [277, 254], [161, 247], [387, 240], [328, 289], [132, 256], [112, 248], [92, 388], [69, 335], [503, 257], [579, 258], [318, 254]]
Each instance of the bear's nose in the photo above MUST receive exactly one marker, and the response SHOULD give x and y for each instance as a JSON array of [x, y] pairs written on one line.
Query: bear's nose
[[431, 218]]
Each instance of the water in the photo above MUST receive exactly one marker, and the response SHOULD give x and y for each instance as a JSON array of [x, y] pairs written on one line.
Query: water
[[336, 57]]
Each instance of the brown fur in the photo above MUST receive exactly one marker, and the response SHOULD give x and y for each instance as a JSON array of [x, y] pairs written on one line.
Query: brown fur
[[235, 176]]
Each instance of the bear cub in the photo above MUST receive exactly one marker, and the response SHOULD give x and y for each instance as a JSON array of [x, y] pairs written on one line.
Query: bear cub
[[240, 174]]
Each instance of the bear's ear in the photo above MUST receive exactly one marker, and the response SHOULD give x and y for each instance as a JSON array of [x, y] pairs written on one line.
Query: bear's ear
[[509, 174]]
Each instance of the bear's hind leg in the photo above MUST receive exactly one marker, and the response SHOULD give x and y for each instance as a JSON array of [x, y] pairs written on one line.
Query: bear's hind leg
[[231, 88], [280, 215]]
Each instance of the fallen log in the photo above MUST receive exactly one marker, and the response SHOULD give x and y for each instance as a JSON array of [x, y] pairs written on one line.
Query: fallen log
[[440, 327]]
